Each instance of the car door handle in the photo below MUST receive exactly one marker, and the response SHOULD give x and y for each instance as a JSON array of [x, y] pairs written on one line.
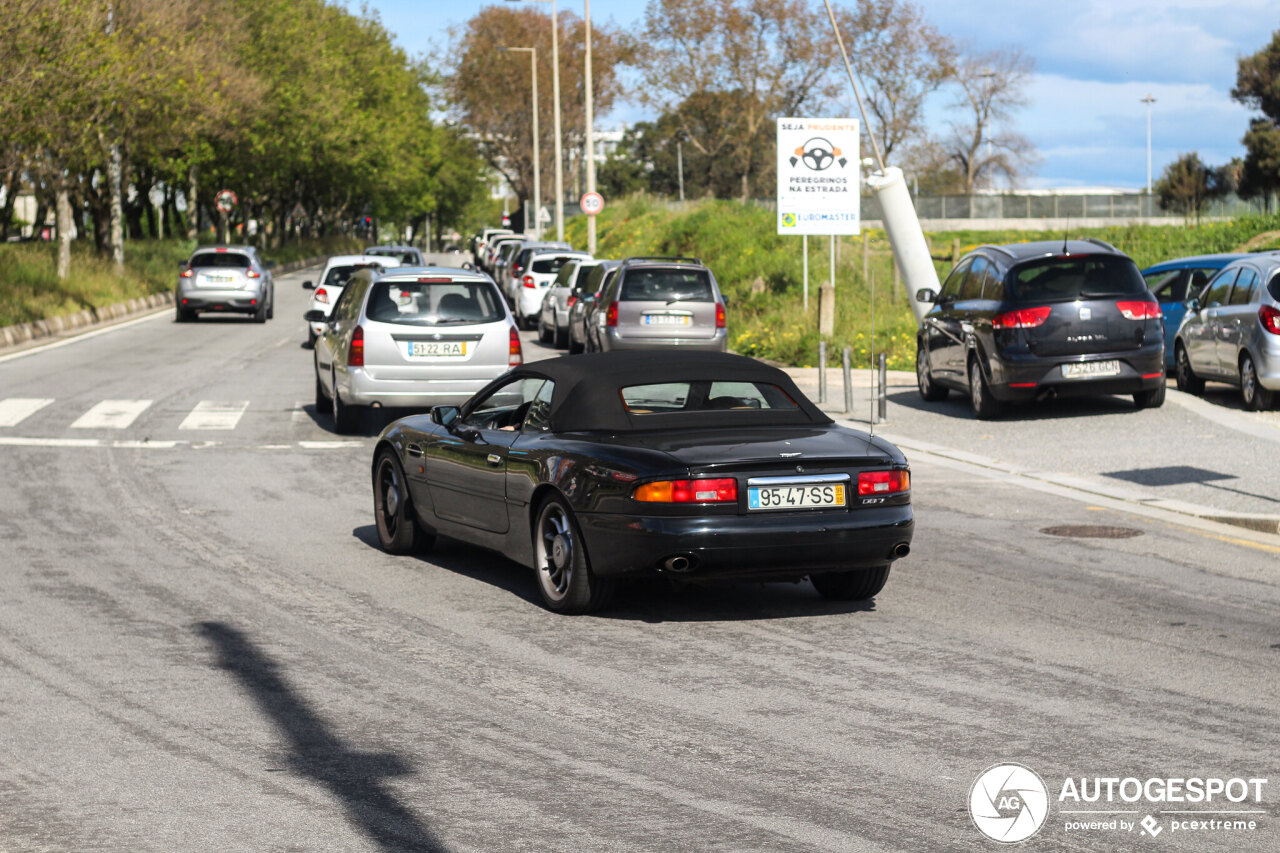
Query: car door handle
[[413, 450], [493, 459]]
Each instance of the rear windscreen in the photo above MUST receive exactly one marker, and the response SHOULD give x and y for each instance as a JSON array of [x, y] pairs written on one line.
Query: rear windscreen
[[552, 265], [337, 276], [1079, 277], [219, 259], [704, 396], [1274, 287], [442, 303], [670, 285]]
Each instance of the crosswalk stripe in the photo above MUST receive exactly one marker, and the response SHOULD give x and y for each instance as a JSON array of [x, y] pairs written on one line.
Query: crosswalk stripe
[[214, 414], [111, 414], [15, 410]]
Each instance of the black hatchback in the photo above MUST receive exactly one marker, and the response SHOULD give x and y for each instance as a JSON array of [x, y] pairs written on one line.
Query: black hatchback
[[1029, 321]]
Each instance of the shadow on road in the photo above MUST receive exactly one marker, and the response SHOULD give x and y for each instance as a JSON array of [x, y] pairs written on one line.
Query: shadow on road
[[355, 778], [957, 406], [653, 599]]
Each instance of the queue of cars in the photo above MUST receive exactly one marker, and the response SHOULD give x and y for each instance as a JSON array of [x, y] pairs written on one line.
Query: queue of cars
[[1029, 321]]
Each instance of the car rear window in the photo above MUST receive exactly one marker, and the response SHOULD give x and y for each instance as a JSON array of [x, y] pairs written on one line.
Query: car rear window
[[434, 302], [552, 264], [1075, 277], [667, 285], [704, 396], [337, 276], [1274, 287], [219, 259]]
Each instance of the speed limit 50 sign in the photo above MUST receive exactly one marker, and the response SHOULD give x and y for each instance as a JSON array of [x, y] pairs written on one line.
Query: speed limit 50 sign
[[591, 203]]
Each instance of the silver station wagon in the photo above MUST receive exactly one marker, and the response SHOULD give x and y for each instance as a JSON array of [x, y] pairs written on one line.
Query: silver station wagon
[[413, 338], [1231, 332]]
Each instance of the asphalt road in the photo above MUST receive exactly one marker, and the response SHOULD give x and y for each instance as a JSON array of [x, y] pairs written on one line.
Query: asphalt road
[[203, 648]]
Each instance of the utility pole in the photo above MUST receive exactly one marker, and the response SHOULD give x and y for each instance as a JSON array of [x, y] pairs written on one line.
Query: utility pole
[[1148, 100], [680, 166], [591, 130]]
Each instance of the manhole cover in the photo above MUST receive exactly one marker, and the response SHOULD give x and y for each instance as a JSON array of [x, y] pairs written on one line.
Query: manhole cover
[[1092, 531]]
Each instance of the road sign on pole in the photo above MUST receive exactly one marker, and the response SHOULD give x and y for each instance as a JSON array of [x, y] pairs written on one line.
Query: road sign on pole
[[225, 201], [819, 176], [591, 203]]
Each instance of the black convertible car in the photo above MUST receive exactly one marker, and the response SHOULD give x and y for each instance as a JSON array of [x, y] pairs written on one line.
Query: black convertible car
[[592, 467]]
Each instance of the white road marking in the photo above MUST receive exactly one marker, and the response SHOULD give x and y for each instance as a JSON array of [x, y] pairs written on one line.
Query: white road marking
[[15, 410], [213, 414], [328, 445], [111, 414], [299, 415], [14, 441]]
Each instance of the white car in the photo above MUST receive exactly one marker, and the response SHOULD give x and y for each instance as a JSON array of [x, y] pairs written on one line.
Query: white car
[[557, 305], [539, 274], [337, 270], [416, 339]]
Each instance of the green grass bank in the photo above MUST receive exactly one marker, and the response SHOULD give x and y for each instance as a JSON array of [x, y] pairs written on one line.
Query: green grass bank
[[740, 244], [30, 289]]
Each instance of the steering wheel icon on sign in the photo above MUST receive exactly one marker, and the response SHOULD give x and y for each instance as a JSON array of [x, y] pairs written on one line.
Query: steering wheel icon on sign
[[818, 154]]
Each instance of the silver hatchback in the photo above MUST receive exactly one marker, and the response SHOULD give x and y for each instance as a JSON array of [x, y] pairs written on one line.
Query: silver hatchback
[[225, 279], [655, 303], [1231, 333], [413, 338]]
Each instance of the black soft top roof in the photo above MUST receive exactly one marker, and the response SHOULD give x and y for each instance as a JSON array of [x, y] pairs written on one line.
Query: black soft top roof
[[587, 397]]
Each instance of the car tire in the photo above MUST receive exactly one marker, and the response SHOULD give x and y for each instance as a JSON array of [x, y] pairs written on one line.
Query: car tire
[[182, 315], [324, 405], [857, 585], [1187, 379], [393, 515], [1252, 394], [559, 337], [311, 338], [574, 346], [1152, 399], [565, 580], [984, 406], [260, 316], [346, 419], [544, 336], [931, 391], [271, 307]]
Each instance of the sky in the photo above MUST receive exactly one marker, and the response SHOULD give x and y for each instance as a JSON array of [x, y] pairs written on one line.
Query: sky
[[1094, 62]]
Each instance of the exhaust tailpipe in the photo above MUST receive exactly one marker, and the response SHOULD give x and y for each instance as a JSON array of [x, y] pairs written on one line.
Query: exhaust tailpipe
[[678, 563], [900, 550]]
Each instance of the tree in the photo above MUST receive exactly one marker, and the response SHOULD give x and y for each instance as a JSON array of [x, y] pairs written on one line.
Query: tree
[[491, 92], [901, 60], [742, 62], [1258, 87], [991, 89], [1187, 184]]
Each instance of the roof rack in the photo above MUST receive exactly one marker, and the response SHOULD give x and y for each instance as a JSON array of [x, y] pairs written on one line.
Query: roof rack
[[660, 258]]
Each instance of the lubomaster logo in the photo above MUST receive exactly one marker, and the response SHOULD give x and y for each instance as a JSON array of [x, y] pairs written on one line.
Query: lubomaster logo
[[1009, 803]]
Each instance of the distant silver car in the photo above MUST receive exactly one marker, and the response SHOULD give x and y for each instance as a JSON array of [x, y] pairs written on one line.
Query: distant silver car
[[407, 256], [557, 304], [411, 338], [1231, 333], [225, 279], [541, 269], [584, 299], [656, 303]]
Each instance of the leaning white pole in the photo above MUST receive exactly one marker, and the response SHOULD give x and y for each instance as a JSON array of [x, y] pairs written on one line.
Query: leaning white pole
[[805, 238], [902, 227]]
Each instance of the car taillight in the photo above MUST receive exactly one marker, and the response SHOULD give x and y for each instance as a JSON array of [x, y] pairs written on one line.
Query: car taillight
[[528, 281], [611, 315], [1023, 318], [253, 274], [884, 482], [570, 302], [719, 315], [322, 295], [187, 273], [355, 353], [1270, 318], [1140, 310], [689, 491], [516, 356]]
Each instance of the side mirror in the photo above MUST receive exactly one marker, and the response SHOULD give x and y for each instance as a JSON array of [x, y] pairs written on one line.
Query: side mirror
[[927, 295], [182, 264], [1192, 305], [307, 285], [444, 415], [315, 315], [724, 299]]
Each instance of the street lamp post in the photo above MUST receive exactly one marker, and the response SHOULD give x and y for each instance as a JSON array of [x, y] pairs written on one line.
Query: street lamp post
[[1148, 100], [537, 153], [591, 131], [555, 93]]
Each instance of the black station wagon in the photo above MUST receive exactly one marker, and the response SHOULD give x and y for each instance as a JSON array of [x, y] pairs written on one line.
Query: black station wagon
[[1030, 321]]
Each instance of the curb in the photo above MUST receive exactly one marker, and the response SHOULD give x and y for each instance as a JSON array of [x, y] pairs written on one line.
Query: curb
[[21, 334]]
